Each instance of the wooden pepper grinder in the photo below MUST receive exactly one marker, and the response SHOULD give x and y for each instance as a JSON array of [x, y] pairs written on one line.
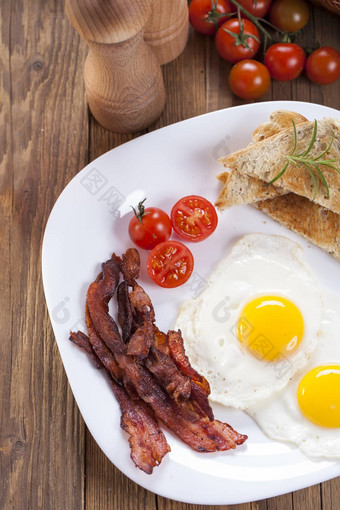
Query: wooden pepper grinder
[[167, 29], [128, 40]]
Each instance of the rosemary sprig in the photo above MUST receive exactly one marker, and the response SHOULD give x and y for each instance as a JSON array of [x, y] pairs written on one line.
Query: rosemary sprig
[[311, 164]]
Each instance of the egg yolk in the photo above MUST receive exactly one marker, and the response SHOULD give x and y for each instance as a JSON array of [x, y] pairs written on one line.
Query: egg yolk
[[270, 327], [318, 395]]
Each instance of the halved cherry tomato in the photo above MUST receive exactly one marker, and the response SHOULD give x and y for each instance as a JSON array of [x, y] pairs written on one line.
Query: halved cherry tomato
[[170, 264], [237, 41], [149, 227], [323, 65], [285, 61], [207, 15], [194, 218]]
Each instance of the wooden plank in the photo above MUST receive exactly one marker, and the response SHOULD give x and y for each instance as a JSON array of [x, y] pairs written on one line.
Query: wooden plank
[[308, 498], [107, 488], [330, 494], [43, 434], [9, 444]]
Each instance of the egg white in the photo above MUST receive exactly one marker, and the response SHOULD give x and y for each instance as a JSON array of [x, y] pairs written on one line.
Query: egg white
[[258, 264], [279, 416]]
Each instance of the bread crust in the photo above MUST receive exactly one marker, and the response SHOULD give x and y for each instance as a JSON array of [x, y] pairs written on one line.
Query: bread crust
[[317, 224], [265, 159], [241, 189], [278, 120]]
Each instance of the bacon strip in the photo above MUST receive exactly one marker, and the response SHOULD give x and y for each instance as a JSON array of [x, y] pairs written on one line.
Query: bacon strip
[[130, 265], [102, 352], [167, 374], [176, 349], [200, 388], [125, 310], [147, 441], [142, 304], [201, 435], [141, 341], [83, 342], [98, 295]]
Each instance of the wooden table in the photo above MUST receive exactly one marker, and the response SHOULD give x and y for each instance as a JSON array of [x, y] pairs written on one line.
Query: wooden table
[[48, 458]]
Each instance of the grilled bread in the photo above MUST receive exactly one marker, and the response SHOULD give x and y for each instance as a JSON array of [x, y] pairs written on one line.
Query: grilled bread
[[242, 189], [317, 224], [278, 120], [265, 159]]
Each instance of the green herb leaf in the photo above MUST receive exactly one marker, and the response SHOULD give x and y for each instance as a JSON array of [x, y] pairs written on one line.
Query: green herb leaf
[[312, 165]]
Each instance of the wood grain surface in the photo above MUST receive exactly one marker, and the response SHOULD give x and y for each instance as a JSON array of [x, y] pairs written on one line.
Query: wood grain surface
[[48, 459]]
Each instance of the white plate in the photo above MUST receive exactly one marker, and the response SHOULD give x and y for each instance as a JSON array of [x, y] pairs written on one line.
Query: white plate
[[89, 221]]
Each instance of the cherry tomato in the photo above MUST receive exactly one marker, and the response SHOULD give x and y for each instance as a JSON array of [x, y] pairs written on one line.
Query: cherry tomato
[[194, 218], [323, 65], [170, 264], [149, 227], [289, 15], [249, 79], [260, 10], [207, 15], [285, 61], [243, 44]]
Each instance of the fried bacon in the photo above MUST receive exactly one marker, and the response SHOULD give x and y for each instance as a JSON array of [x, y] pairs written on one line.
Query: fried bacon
[[125, 310], [98, 295], [83, 342], [141, 341], [149, 371], [167, 374], [142, 304], [130, 265], [147, 441], [200, 388], [176, 350]]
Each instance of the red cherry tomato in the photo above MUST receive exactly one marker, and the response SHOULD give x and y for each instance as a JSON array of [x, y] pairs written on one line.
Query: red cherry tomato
[[285, 61], [149, 227], [249, 79], [207, 15], [194, 218], [170, 264], [260, 10], [323, 65], [289, 15], [243, 44]]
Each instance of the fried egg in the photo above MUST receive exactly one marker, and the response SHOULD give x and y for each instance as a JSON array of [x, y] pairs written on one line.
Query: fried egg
[[307, 411], [256, 323]]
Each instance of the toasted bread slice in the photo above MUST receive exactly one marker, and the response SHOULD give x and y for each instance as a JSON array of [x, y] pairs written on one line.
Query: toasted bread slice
[[241, 189], [317, 224], [278, 120], [265, 159]]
